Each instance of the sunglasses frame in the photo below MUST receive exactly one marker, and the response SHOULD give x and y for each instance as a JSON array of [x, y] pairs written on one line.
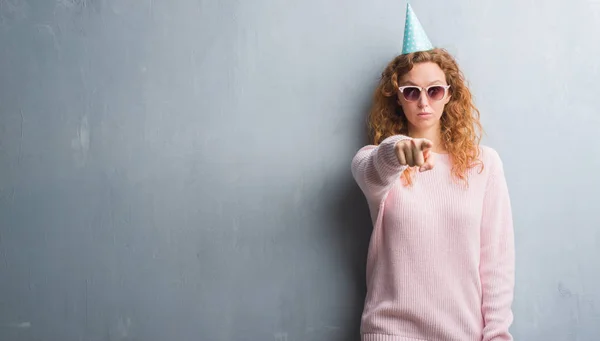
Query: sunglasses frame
[[446, 87]]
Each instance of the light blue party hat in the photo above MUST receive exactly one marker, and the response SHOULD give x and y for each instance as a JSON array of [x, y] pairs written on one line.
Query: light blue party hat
[[415, 38]]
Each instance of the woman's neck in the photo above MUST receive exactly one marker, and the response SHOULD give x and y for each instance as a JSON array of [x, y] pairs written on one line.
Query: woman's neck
[[434, 135]]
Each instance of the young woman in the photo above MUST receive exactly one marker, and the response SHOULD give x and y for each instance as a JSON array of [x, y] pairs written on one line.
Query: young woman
[[441, 257]]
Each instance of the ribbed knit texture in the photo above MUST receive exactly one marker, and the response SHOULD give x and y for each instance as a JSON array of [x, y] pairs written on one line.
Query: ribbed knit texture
[[441, 258]]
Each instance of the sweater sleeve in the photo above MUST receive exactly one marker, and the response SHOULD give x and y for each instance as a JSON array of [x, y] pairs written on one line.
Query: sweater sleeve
[[497, 265], [376, 168]]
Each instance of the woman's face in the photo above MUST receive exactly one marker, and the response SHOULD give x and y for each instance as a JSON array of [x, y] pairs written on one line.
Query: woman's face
[[423, 109]]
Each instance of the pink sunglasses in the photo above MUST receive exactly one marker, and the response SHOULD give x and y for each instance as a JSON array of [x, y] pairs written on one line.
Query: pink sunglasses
[[412, 93]]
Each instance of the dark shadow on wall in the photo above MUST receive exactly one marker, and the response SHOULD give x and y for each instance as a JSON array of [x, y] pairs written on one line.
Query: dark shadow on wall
[[352, 227]]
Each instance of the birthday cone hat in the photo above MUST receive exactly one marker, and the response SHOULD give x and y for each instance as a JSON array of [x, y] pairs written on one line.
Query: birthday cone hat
[[415, 38]]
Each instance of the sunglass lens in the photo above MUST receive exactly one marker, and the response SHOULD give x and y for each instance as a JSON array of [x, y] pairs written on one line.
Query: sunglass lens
[[436, 92], [411, 94]]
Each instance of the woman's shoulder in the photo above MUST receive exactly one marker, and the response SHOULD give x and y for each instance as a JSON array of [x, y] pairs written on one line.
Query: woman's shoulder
[[491, 158]]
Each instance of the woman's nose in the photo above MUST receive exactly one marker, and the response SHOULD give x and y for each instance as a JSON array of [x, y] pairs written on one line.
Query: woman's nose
[[423, 100]]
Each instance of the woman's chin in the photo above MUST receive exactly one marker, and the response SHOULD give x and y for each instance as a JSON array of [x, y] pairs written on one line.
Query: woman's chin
[[425, 124]]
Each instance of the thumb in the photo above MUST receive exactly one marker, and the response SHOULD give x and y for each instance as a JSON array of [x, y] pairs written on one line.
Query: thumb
[[429, 161]]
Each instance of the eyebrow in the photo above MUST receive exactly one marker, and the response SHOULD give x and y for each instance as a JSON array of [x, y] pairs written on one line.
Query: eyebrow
[[415, 84]]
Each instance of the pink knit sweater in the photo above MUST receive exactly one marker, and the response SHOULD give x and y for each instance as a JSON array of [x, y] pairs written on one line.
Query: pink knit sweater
[[441, 257]]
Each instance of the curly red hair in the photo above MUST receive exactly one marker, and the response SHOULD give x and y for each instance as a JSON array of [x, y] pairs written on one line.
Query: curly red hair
[[460, 126]]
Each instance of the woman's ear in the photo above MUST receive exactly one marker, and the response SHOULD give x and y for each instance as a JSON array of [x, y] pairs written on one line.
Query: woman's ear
[[398, 100], [448, 97]]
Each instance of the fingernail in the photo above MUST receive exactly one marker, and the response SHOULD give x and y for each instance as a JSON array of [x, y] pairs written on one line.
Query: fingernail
[[422, 169]]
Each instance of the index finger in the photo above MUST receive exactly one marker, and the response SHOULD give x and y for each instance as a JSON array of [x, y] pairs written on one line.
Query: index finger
[[424, 144]]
